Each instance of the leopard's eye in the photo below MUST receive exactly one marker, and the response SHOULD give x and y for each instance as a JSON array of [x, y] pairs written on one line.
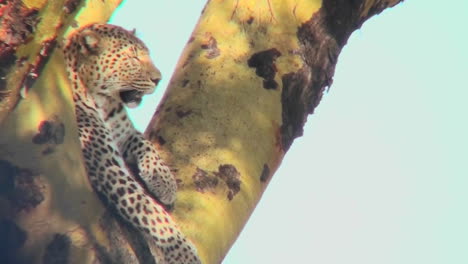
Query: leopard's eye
[[133, 54]]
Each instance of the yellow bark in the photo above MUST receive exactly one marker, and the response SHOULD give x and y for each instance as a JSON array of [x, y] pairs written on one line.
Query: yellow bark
[[223, 113], [245, 83], [39, 143]]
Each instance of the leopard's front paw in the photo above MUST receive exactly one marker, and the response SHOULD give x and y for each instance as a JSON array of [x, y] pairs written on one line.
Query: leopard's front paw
[[158, 178]]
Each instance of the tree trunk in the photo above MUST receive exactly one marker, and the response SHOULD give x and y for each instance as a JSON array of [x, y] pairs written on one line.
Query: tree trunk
[[244, 85], [249, 76]]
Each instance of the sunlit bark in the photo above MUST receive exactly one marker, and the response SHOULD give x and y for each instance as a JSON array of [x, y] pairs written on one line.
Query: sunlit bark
[[249, 76]]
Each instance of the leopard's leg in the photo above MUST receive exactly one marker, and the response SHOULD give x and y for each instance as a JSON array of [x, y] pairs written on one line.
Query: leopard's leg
[[136, 150], [110, 177], [155, 173]]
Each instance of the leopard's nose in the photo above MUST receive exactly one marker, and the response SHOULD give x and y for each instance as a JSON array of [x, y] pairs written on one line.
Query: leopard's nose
[[155, 80]]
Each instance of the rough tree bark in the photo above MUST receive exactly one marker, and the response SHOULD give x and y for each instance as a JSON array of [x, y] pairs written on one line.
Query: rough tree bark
[[249, 76]]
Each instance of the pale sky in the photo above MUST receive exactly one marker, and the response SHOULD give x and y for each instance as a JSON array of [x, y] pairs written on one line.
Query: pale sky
[[380, 175]]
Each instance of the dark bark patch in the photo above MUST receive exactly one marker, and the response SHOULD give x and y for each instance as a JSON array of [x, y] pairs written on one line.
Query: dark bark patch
[[28, 192], [303, 90], [207, 181], [211, 47], [182, 113], [12, 239], [70, 6], [17, 23], [39, 63], [321, 39], [229, 174], [7, 59], [22, 187], [270, 84], [342, 17], [265, 173], [58, 250], [295, 98], [203, 181], [7, 179], [265, 67], [185, 82], [161, 140], [50, 132], [155, 136]]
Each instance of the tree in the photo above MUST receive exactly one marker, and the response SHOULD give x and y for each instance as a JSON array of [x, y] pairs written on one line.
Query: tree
[[244, 86]]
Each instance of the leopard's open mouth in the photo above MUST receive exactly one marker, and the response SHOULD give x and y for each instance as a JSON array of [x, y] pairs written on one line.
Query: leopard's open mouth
[[131, 98]]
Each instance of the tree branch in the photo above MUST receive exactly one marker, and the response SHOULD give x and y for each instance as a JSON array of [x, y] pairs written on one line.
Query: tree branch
[[240, 95]]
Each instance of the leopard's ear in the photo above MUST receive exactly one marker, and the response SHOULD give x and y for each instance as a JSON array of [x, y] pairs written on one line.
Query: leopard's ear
[[89, 42], [133, 31]]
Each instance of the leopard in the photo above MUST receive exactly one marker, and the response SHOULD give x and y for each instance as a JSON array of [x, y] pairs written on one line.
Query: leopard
[[110, 69]]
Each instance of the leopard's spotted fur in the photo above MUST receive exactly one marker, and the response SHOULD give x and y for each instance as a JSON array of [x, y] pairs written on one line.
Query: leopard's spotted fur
[[109, 67]]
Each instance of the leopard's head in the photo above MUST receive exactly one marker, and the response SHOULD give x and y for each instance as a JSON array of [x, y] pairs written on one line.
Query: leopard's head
[[113, 62]]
